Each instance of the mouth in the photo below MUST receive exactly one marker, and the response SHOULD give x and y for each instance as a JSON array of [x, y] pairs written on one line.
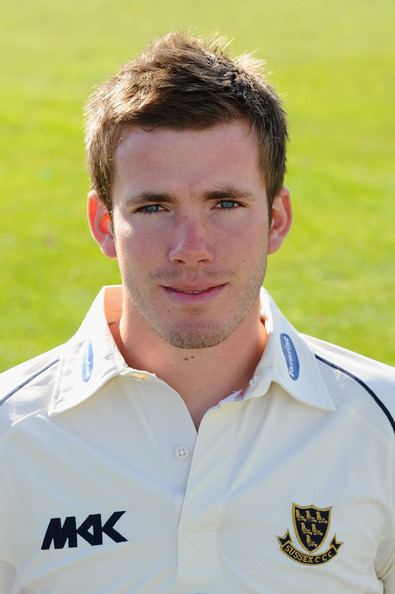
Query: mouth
[[193, 294]]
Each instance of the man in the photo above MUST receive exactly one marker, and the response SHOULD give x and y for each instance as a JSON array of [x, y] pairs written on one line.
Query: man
[[188, 440]]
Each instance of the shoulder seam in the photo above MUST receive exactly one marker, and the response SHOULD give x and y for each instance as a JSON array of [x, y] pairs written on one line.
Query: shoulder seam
[[28, 380], [365, 386]]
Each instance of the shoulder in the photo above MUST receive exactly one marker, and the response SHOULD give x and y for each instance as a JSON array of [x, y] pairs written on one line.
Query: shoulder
[[357, 380], [27, 388]]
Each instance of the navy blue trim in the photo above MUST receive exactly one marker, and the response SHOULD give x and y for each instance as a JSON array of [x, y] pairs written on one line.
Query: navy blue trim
[[361, 383], [29, 379]]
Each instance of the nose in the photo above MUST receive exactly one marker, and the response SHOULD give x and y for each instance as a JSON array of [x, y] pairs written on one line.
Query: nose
[[190, 243]]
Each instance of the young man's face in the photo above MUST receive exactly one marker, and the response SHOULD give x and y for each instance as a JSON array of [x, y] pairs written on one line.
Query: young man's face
[[191, 230]]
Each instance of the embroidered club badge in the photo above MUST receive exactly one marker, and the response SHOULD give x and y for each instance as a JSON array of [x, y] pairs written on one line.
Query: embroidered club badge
[[311, 526]]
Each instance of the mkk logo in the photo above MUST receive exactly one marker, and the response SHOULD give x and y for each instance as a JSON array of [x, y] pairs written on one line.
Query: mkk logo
[[91, 530]]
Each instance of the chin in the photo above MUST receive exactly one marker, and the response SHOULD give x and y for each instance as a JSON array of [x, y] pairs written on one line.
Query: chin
[[198, 337]]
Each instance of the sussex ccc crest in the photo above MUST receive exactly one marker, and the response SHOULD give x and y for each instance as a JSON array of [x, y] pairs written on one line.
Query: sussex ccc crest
[[311, 526]]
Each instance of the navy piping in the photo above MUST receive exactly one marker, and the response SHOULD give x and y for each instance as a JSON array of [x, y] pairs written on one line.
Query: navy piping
[[361, 383], [30, 379]]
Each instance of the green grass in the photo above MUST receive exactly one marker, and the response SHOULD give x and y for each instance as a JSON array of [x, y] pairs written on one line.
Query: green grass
[[333, 63]]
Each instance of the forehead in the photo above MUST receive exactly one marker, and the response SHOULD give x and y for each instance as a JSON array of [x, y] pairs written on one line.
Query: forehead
[[188, 156]]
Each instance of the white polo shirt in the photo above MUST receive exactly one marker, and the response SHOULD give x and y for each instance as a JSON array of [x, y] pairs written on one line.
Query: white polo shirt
[[107, 488]]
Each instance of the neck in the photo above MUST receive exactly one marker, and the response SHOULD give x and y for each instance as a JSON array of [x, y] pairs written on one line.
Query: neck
[[203, 376]]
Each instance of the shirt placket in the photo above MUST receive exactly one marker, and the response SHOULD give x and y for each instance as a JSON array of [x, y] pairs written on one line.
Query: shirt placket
[[198, 564]]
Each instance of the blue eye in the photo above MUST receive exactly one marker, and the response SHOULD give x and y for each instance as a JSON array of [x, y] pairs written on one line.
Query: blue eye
[[150, 208], [227, 204]]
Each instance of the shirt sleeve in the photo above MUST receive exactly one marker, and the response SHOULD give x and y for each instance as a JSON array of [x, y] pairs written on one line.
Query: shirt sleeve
[[7, 569], [7, 528], [7, 576], [385, 565]]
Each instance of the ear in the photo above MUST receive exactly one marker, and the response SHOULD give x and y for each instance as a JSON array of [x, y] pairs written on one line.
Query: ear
[[100, 224], [281, 219]]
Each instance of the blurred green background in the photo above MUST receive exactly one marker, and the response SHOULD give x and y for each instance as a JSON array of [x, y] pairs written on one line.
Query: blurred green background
[[332, 62]]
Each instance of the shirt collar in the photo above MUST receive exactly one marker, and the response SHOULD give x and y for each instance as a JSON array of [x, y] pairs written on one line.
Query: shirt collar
[[91, 358], [288, 361]]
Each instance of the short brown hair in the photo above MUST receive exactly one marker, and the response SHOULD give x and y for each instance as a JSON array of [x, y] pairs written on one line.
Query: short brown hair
[[182, 82]]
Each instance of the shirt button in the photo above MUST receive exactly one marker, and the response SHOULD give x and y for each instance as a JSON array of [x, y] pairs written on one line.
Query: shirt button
[[181, 452]]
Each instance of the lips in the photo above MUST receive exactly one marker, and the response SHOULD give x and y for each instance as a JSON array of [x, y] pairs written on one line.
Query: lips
[[194, 294], [192, 291]]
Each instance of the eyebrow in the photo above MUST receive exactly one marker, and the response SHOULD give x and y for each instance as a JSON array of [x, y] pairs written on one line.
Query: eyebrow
[[148, 197], [229, 192]]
